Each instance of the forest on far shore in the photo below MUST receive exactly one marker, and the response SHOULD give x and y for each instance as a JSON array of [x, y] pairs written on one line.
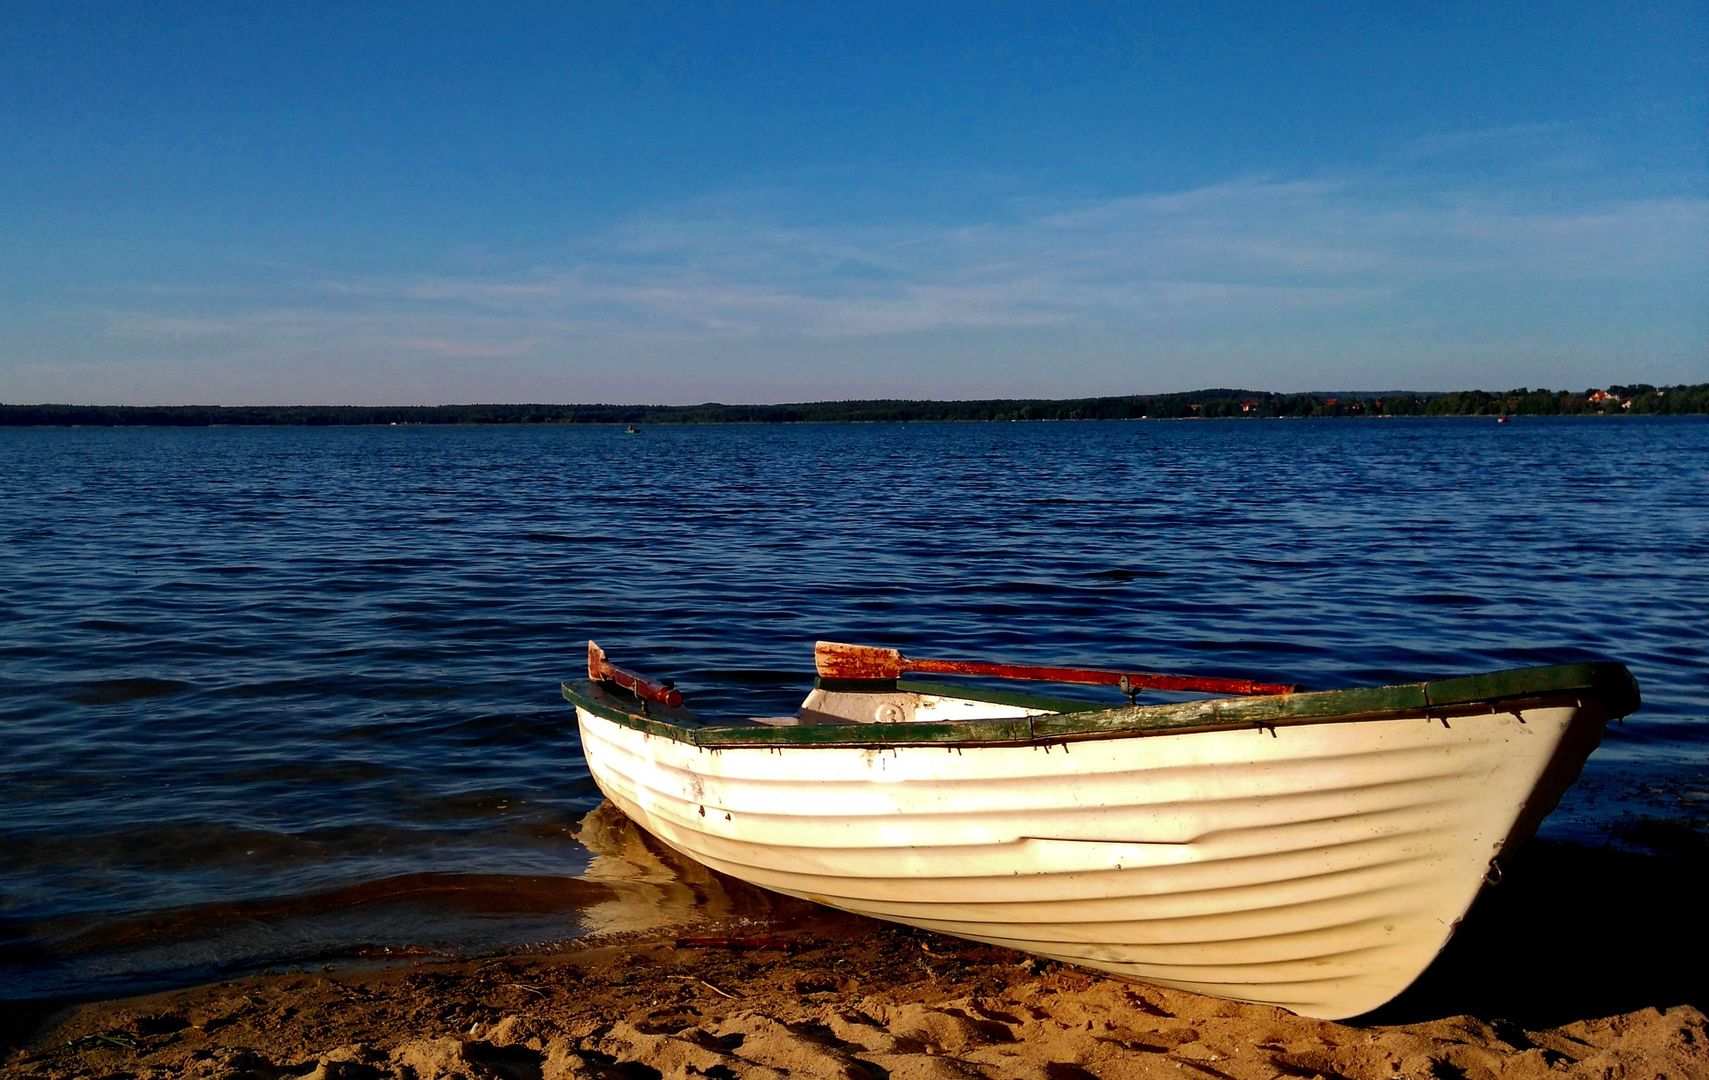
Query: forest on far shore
[[1637, 399]]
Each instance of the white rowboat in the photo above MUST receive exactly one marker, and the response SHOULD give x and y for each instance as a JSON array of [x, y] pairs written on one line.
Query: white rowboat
[[1313, 851]]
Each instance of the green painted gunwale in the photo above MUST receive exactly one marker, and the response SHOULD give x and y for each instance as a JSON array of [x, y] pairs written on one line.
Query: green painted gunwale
[[1607, 682]]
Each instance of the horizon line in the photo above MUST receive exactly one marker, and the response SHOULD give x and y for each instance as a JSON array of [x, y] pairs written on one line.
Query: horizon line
[[1221, 390]]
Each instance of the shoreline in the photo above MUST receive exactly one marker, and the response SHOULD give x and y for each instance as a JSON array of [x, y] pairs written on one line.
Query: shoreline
[[1584, 963], [1640, 399]]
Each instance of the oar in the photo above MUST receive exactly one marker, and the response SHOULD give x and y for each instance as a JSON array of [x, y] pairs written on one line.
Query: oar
[[600, 669], [835, 660]]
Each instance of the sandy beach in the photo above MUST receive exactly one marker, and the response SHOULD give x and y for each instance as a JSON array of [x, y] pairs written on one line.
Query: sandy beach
[[1583, 964], [821, 996]]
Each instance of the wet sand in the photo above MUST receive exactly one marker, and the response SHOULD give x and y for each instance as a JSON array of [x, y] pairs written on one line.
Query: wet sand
[[1583, 964]]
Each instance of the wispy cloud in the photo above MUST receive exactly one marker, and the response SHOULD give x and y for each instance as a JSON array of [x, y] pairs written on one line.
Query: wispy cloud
[[1551, 138], [1310, 265]]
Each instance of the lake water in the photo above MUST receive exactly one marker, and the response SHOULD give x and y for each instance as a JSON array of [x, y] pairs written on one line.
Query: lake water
[[287, 696]]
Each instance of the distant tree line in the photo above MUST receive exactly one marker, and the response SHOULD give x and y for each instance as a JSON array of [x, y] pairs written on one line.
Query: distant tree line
[[1637, 399]]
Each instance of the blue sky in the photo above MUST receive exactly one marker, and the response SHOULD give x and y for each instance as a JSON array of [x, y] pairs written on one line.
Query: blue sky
[[432, 203]]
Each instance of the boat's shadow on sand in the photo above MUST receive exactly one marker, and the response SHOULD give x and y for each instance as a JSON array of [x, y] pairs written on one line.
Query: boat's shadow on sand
[[1572, 933]]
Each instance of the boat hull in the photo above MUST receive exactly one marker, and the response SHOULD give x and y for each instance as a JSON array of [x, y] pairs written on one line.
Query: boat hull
[[1319, 867]]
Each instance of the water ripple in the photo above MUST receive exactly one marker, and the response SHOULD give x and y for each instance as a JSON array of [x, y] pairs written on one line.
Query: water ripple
[[331, 655]]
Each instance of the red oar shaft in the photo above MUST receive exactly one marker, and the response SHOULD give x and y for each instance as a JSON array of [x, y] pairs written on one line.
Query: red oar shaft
[[862, 662], [600, 669]]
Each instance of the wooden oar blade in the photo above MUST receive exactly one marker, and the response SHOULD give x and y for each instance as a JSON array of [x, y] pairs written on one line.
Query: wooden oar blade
[[835, 660]]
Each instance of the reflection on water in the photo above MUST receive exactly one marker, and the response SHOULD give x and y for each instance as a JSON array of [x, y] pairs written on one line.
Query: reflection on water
[[654, 886]]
